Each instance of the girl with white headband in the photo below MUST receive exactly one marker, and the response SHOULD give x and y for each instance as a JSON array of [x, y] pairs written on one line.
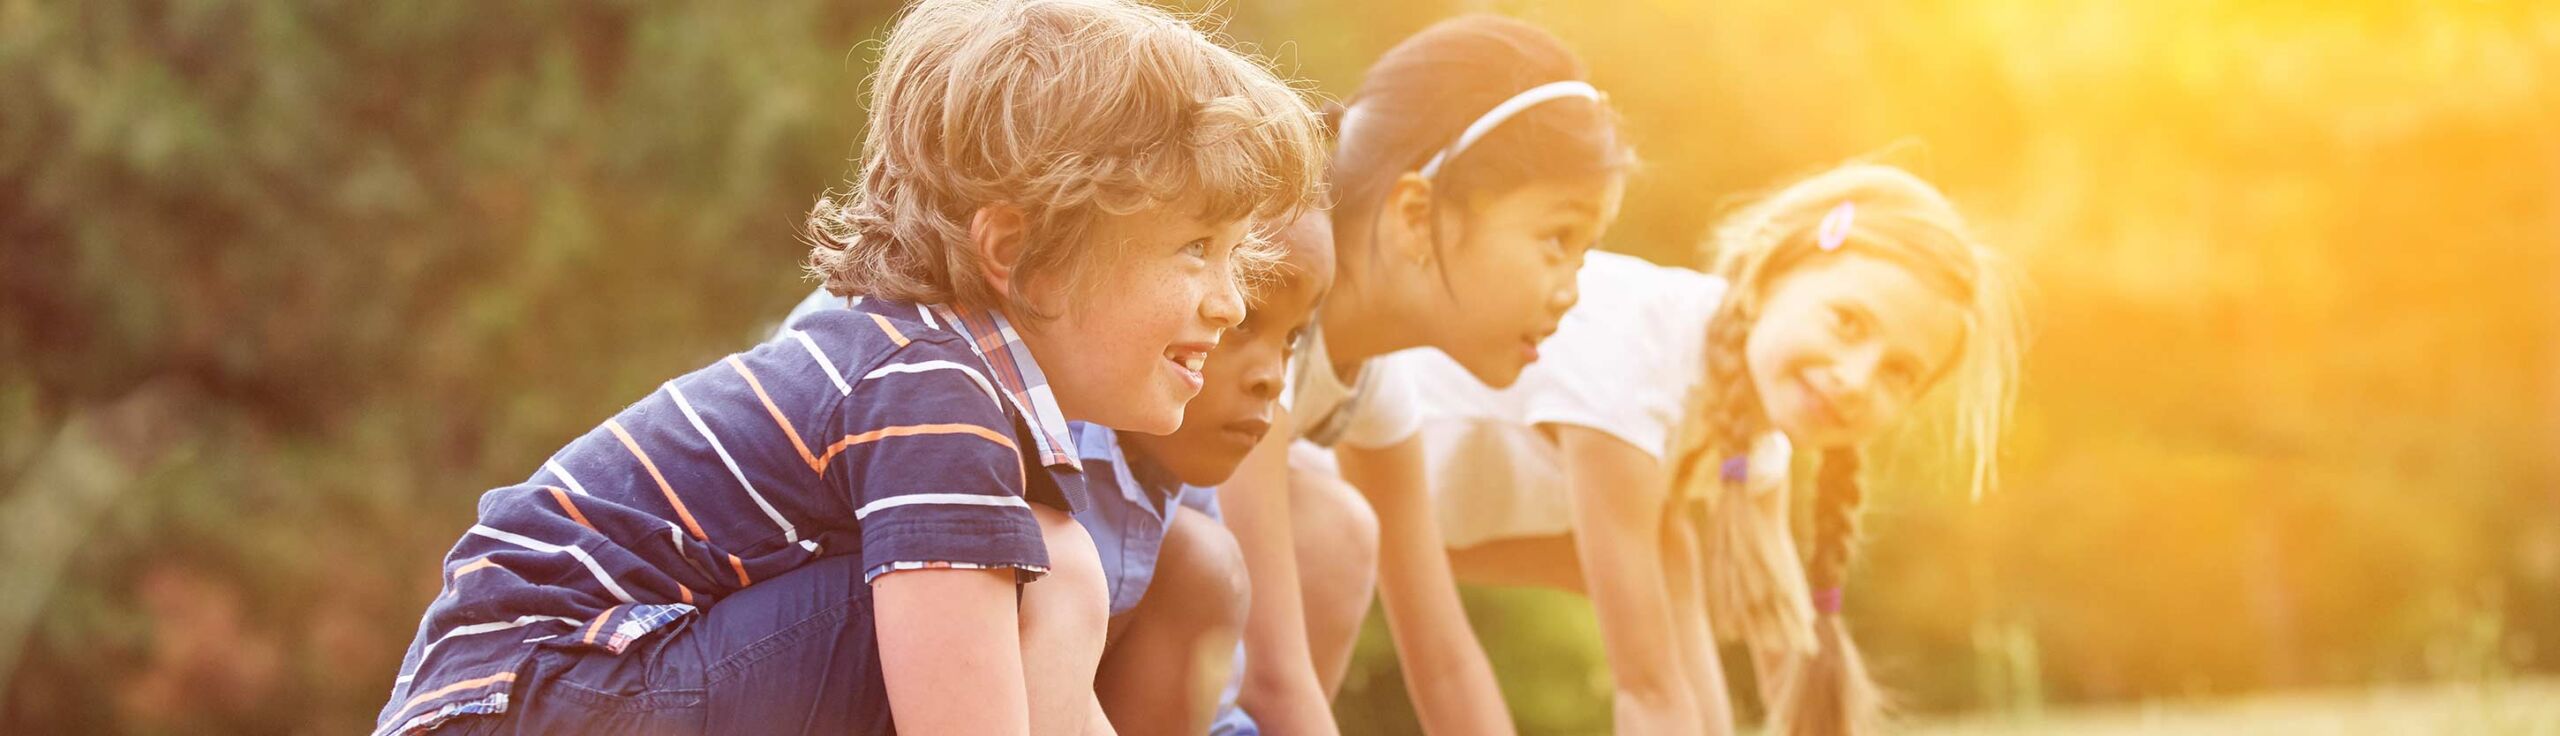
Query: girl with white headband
[[1834, 306], [1471, 170]]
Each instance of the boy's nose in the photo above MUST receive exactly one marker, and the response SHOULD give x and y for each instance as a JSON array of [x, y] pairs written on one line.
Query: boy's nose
[[1225, 305], [1262, 380]]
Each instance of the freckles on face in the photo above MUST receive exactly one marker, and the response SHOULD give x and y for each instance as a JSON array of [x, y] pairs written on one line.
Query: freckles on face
[[1843, 345], [1235, 406], [1126, 350]]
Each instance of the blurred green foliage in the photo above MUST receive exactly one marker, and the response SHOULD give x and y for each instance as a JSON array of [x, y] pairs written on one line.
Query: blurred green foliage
[[2291, 421]]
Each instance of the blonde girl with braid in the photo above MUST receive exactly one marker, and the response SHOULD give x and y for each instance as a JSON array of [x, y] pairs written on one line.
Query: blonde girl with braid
[[1645, 461]]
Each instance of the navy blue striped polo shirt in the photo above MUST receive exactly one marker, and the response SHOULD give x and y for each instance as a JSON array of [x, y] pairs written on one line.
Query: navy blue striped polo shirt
[[913, 436]]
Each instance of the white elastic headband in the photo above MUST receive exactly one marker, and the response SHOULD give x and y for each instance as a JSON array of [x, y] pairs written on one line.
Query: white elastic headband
[[1493, 118]]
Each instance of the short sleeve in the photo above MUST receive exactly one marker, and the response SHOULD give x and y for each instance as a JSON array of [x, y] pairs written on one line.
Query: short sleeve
[[1385, 408], [933, 465], [1623, 361], [1603, 379]]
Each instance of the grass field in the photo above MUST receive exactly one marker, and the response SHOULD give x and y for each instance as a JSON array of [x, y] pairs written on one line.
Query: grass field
[[2524, 707]]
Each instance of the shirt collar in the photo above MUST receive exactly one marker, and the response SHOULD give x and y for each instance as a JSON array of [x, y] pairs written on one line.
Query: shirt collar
[[996, 342], [1141, 480]]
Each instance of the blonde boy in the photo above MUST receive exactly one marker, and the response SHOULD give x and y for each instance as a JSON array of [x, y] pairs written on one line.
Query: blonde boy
[[862, 525]]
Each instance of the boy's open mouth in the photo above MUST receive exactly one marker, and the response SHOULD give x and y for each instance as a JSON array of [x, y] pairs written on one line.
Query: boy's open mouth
[[1186, 359]]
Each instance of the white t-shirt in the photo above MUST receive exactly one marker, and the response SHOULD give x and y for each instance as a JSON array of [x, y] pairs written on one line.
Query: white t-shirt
[[1374, 409], [1622, 362]]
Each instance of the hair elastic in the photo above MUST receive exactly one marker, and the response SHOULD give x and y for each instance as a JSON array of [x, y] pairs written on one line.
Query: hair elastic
[[1736, 469], [1493, 118], [1827, 600]]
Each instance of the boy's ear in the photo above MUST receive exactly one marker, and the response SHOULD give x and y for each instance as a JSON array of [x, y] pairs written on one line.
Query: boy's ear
[[1408, 214], [997, 232]]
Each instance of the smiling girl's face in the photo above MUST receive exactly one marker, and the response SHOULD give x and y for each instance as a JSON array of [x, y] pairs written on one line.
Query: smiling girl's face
[[1845, 343]]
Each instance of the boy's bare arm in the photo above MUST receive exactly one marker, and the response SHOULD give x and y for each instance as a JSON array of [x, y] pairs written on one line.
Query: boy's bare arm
[[954, 662]]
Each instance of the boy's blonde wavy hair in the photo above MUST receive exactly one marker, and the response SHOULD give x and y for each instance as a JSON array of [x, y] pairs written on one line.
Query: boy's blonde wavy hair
[[1067, 110]]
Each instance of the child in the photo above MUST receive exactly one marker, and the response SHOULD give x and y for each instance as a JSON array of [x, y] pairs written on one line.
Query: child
[[1176, 584], [840, 529], [1471, 170], [1182, 634], [1835, 305]]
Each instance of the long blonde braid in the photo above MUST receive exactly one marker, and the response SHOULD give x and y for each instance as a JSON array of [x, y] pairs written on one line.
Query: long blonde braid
[[1756, 591]]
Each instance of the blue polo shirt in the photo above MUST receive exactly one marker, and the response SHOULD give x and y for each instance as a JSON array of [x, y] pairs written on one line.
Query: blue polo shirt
[[912, 436], [1133, 499], [1132, 508]]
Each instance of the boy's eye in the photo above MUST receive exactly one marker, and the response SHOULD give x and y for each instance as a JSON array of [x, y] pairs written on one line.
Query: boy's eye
[[1197, 248]]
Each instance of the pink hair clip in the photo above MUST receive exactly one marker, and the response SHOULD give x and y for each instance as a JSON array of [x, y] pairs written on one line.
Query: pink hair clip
[[1827, 600], [1835, 226]]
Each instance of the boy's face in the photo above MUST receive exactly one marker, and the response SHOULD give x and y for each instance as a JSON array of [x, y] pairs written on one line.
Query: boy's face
[[1245, 372], [1127, 347]]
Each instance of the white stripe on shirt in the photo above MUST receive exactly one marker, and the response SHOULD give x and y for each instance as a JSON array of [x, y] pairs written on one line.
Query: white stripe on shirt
[[470, 629], [937, 499], [541, 546], [939, 365], [565, 478], [788, 533], [821, 357]]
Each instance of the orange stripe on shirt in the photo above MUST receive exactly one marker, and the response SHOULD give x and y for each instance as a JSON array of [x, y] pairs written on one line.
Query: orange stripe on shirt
[[456, 687], [670, 491], [787, 431], [894, 335], [818, 463], [475, 565], [563, 498], [741, 567], [912, 430], [598, 624]]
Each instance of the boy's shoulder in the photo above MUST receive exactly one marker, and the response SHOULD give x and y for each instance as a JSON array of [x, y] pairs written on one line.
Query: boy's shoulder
[[912, 352], [952, 349], [876, 327]]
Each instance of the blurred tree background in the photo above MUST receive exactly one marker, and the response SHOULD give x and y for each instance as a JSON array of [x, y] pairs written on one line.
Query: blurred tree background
[[285, 286]]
